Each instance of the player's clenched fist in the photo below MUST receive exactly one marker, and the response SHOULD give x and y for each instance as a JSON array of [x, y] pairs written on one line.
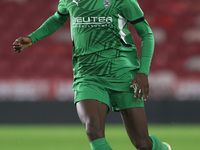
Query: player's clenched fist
[[22, 43]]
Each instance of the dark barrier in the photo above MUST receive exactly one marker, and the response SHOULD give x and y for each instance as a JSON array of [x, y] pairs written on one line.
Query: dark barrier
[[65, 112]]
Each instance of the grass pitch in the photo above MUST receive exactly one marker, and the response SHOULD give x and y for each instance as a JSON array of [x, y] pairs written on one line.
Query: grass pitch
[[73, 137]]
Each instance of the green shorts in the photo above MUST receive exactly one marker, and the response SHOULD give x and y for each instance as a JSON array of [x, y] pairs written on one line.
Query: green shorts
[[108, 90]]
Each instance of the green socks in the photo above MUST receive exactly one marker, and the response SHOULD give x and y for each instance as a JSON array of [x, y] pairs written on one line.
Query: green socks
[[100, 144], [157, 144]]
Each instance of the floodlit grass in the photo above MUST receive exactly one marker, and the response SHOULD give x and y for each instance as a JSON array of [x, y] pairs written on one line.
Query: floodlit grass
[[72, 137]]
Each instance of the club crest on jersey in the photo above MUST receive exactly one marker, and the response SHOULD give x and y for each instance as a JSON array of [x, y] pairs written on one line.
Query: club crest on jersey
[[76, 2], [106, 3]]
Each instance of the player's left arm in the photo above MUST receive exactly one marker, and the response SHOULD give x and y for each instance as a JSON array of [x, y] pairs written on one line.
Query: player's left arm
[[133, 13], [147, 48]]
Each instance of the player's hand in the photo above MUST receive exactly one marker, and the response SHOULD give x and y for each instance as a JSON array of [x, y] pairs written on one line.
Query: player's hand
[[22, 43], [143, 86]]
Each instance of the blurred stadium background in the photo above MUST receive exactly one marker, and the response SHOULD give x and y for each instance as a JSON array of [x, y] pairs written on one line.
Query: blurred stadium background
[[35, 85]]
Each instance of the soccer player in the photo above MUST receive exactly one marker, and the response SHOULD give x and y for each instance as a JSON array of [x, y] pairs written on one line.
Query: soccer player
[[106, 65]]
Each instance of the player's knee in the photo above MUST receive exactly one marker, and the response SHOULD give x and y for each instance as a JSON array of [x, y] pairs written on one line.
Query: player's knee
[[143, 144], [94, 130]]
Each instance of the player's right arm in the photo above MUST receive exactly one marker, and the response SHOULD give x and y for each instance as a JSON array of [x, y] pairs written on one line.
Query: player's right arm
[[51, 25]]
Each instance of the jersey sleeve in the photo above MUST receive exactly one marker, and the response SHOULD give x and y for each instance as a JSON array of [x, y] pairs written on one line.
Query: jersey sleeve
[[52, 24], [147, 47], [62, 9], [132, 11], [134, 14]]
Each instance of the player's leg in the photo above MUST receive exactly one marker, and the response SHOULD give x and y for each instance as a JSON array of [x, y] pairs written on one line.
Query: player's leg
[[92, 114], [136, 127], [133, 114]]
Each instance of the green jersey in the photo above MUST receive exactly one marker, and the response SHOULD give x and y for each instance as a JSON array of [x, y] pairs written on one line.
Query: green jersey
[[102, 43], [100, 24]]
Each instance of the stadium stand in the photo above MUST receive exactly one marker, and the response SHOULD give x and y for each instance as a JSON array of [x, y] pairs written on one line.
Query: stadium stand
[[175, 23]]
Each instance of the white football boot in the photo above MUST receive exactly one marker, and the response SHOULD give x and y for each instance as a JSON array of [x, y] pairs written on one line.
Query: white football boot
[[168, 146]]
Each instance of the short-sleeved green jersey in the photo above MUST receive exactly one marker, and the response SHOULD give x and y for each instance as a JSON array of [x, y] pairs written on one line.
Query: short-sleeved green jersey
[[98, 25]]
